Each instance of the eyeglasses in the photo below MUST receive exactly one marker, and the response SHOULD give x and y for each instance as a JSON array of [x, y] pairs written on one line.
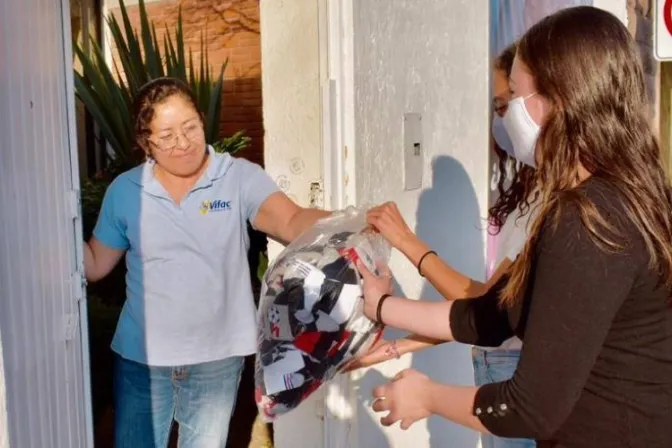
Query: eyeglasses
[[167, 142]]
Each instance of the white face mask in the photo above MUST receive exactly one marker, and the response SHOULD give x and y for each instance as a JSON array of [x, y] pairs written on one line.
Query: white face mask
[[522, 130], [501, 136]]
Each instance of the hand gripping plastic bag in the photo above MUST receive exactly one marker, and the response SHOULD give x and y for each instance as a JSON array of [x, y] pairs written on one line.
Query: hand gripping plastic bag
[[310, 318]]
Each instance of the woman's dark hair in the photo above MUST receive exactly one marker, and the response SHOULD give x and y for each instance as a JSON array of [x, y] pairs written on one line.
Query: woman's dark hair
[[147, 98], [586, 64], [522, 176]]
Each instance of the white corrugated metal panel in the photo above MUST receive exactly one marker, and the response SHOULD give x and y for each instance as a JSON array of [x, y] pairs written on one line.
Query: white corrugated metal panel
[[47, 393], [4, 436]]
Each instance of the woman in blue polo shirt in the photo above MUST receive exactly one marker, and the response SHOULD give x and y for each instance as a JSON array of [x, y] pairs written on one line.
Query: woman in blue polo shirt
[[189, 317]]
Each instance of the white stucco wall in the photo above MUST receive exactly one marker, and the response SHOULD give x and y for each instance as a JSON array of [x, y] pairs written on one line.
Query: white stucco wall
[[429, 57], [291, 94], [291, 98]]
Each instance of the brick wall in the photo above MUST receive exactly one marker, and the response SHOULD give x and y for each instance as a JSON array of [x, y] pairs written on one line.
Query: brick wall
[[232, 31]]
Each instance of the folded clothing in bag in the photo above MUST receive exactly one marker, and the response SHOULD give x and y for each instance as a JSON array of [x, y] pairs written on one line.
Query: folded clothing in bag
[[311, 321]]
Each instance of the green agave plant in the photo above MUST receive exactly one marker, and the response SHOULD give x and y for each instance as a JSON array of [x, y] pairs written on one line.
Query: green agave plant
[[108, 96], [237, 142]]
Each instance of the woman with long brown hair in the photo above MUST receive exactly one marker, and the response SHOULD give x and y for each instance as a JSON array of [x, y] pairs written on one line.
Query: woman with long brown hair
[[590, 293]]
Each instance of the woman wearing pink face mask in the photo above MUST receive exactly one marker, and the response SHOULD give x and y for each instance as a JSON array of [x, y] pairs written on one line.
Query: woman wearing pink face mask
[[589, 294]]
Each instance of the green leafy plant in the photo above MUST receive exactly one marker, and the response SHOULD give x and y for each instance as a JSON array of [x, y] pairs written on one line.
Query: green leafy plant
[[142, 57], [234, 144], [263, 265]]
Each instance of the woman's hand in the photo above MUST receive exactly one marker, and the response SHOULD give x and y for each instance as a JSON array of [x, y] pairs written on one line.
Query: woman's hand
[[379, 352], [373, 288], [407, 398], [388, 221]]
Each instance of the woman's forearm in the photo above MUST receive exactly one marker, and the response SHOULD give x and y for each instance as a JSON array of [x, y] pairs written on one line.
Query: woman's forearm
[[99, 260], [415, 343], [90, 270], [428, 319], [451, 284], [455, 404]]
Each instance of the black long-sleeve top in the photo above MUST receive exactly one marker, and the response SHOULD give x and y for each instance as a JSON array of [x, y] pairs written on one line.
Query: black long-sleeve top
[[596, 364]]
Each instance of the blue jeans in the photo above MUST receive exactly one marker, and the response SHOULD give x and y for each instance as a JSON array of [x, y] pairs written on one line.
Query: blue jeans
[[200, 398], [494, 366]]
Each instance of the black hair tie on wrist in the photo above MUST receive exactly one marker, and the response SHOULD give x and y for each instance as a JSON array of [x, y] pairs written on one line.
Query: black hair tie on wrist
[[379, 310], [430, 252]]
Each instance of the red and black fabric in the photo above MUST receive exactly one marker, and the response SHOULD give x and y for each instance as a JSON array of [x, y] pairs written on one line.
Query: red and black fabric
[[310, 317]]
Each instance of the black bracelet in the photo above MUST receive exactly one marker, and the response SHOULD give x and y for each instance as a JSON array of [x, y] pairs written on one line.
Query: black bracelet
[[430, 252], [379, 310]]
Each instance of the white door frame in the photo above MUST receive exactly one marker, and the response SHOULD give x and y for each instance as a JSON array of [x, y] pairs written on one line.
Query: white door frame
[[338, 163], [78, 278], [337, 82]]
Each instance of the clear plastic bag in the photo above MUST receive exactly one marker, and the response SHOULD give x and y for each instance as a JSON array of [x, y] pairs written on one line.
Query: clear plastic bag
[[310, 318]]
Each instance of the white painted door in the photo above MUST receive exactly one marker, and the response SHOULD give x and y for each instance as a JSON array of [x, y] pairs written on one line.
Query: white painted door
[[44, 341]]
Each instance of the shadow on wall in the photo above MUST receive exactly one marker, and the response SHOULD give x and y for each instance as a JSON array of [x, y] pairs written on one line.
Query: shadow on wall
[[371, 432], [374, 437], [448, 220]]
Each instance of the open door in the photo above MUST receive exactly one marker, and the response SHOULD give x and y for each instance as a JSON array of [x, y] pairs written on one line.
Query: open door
[[42, 309]]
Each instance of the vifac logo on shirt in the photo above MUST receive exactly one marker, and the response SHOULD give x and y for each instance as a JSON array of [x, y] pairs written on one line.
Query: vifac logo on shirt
[[217, 205]]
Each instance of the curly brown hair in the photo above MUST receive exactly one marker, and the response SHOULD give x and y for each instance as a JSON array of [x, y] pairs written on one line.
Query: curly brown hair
[[516, 194], [147, 98], [585, 62]]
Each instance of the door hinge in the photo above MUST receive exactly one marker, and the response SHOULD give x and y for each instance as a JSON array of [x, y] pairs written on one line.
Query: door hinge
[[70, 325], [316, 195], [71, 320], [78, 284], [74, 204]]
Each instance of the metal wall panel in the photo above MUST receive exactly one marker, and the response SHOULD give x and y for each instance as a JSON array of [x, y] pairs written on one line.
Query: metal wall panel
[[44, 345]]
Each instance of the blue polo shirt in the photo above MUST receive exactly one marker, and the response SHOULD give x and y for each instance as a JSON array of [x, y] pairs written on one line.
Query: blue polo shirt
[[188, 291]]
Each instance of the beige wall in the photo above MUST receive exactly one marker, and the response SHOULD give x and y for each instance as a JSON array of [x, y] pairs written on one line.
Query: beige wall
[[293, 156]]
